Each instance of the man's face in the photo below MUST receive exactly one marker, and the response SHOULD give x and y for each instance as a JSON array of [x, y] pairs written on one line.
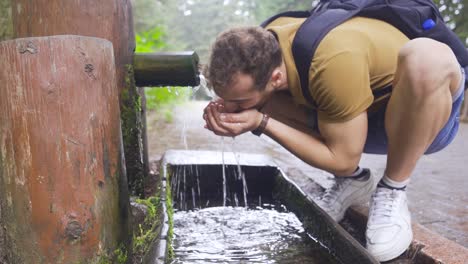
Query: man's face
[[242, 94]]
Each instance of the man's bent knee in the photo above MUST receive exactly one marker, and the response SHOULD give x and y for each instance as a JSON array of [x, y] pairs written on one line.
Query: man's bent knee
[[427, 65]]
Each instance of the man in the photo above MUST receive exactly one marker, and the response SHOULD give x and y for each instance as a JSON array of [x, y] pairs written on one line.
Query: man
[[253, 71]]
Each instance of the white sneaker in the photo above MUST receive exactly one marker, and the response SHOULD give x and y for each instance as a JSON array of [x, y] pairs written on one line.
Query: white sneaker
[[346, 192], [388, 231]]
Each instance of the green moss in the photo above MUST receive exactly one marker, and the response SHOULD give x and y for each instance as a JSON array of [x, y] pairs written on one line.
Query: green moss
[[153, 204], [132, 129], [118, 256], [146, 232], [130, 106], [170, 213], [121, 255]]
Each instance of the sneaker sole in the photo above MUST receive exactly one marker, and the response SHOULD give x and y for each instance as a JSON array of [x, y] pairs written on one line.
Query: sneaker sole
[[395, 251]]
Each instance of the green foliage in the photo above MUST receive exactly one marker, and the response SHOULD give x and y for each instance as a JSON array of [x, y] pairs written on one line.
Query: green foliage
[[455, 15], [149, 27], [160, 96], [145, 14], [163, 99], [150, 40], [194, 24]]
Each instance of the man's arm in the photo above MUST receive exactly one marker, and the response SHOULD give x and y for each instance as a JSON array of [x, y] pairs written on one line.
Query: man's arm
[[338, 152]]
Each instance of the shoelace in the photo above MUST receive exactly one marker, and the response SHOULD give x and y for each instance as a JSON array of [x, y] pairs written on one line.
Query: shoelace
[[384, 203]]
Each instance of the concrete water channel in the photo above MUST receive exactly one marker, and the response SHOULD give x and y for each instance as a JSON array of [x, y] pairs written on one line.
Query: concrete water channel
[[202, 179]]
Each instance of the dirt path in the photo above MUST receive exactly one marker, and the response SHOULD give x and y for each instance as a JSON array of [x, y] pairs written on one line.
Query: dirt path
[[438, 191]]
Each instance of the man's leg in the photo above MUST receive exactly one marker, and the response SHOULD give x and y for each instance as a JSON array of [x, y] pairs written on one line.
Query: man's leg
[[426, 77]]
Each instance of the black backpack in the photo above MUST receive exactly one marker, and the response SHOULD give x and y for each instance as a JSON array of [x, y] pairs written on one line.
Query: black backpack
[[415, 18]]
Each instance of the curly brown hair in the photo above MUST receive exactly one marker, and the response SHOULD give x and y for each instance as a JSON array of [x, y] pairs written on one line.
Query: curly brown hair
[[248, 50]]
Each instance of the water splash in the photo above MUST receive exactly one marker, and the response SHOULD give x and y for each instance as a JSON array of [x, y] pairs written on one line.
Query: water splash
[[241, 235], [204, 86]]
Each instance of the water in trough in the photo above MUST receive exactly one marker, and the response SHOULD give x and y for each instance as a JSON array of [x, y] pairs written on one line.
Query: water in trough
[[257, 229]]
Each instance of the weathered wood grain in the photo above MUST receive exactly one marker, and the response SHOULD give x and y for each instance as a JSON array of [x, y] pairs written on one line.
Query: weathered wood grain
[[107, 19], [60, 150]]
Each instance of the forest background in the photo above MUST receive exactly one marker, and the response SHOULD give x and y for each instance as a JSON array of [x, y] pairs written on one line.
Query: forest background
[[174, 25]]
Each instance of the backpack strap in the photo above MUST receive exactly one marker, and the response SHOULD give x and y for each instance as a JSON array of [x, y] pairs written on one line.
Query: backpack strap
[[311, 32]]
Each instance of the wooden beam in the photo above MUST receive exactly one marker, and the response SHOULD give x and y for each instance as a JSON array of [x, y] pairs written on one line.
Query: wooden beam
[[166, 69]]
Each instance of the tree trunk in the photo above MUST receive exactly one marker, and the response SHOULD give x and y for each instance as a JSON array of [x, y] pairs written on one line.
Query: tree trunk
[[60, 150], [108, 19]]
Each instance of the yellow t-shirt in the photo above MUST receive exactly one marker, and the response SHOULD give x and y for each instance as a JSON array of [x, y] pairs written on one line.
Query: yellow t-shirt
[[352, 60]]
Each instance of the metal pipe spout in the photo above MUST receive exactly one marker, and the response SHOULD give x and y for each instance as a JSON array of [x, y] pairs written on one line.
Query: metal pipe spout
[[167, 69]]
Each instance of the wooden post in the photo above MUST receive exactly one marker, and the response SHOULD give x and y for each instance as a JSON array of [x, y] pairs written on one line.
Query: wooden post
[[5, 33], [107, 19], [60, 151]]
